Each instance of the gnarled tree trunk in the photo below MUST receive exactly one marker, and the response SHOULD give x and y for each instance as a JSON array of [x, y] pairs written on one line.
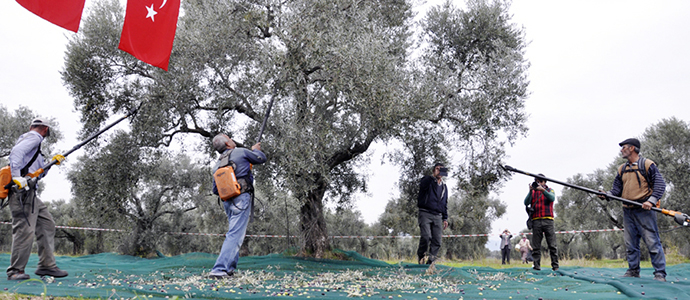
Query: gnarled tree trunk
[[313, 234]]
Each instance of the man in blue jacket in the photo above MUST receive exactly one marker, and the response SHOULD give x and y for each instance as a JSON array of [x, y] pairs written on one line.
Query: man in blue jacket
[[433, 213], [239, 208]]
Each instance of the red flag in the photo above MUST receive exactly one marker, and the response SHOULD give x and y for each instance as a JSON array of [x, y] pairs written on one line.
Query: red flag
[[149, 30], [63, 13]]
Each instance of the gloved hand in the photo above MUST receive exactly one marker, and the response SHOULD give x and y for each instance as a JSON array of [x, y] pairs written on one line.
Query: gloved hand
[[59, 158], [21, 182]]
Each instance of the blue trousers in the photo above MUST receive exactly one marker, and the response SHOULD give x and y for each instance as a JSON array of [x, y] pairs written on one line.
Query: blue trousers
[[640, 223], [238, 211]]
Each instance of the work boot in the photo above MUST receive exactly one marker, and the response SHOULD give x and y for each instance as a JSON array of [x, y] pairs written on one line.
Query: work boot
[[659, 277], [18, 276], [536, 268], [631, 273], [55, 272]]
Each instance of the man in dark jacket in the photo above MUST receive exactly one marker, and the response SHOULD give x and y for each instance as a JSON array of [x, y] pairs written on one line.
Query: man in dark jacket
[[433, 213]]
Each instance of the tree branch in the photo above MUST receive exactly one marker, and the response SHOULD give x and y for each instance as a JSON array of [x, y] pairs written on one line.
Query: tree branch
[[347, 154], [158, 214]]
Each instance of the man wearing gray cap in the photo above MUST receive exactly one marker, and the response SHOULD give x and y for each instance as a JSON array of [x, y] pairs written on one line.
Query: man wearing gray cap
[[432, 202], [30, 216], [639, 180]]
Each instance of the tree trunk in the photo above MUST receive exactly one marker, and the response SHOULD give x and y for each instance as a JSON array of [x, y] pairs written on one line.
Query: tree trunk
[[313, 234]]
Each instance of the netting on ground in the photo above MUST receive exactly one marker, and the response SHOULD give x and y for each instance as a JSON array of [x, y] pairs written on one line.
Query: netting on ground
[[112, 276]]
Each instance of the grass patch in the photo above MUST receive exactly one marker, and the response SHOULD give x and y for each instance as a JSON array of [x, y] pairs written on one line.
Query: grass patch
[[671, 259]]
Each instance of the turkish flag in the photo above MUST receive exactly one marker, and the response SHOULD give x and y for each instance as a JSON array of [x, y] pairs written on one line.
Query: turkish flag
[[63, 13], [149, 30]]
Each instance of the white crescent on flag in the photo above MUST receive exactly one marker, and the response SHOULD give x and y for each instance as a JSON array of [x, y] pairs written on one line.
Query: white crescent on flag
[[164, 1]]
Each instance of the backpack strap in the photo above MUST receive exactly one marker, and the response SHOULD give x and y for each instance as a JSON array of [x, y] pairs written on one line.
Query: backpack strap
[[225, 159], [25, 169], [644, 170]]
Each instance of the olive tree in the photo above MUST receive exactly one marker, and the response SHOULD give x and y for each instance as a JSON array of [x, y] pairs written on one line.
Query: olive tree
[[128, 187], [470, 92], [578, 210], [18, 122]]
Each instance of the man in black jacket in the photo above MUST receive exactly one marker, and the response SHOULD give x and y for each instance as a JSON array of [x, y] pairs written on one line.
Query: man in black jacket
[[433, 213]]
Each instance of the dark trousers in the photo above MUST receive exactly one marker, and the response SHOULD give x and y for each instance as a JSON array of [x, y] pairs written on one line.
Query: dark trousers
[[505, 254], [431, 229], [544, 228]]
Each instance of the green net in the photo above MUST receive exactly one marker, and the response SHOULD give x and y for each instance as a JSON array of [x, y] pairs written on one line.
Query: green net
[[112, 276]]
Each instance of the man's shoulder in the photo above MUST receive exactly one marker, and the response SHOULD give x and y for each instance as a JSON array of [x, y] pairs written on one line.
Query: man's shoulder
[[29, 137], [242, 151], [647, 162], [427, 178]]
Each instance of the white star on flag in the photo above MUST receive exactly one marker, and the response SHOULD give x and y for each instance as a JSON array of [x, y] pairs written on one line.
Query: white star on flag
[[151, 12]]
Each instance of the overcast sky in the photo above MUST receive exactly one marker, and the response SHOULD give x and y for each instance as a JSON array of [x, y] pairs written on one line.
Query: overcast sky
[[601, 72]]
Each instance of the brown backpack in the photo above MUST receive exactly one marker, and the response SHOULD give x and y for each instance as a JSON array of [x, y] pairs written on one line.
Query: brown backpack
[[226, 181]]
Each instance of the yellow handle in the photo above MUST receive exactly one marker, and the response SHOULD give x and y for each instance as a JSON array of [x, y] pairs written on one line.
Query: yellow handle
[[59, 158]]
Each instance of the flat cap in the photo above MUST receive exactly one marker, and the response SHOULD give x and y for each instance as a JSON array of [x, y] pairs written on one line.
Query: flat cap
[[631, 141]]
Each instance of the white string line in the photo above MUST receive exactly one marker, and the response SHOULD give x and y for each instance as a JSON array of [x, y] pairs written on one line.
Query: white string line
[[333, 237]]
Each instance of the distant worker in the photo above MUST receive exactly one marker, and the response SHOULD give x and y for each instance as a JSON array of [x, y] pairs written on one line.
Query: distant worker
[[433, 213], [639, 180], [238, 209], [541, 198], [525, 248], [505, 246], [30, 216]]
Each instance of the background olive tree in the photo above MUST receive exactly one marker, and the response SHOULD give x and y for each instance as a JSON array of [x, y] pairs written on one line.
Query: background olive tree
[[18, 122], [469, 93], [146, 190]]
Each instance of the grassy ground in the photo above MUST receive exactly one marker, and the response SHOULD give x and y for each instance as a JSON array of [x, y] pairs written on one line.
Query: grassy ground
[[546, 263]]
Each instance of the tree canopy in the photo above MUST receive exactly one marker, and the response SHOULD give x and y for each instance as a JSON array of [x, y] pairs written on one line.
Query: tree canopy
[[18, 122]]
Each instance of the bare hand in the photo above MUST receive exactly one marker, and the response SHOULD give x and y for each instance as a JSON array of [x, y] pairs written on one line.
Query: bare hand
[[445, 225], [257, 146], [647, 205]]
